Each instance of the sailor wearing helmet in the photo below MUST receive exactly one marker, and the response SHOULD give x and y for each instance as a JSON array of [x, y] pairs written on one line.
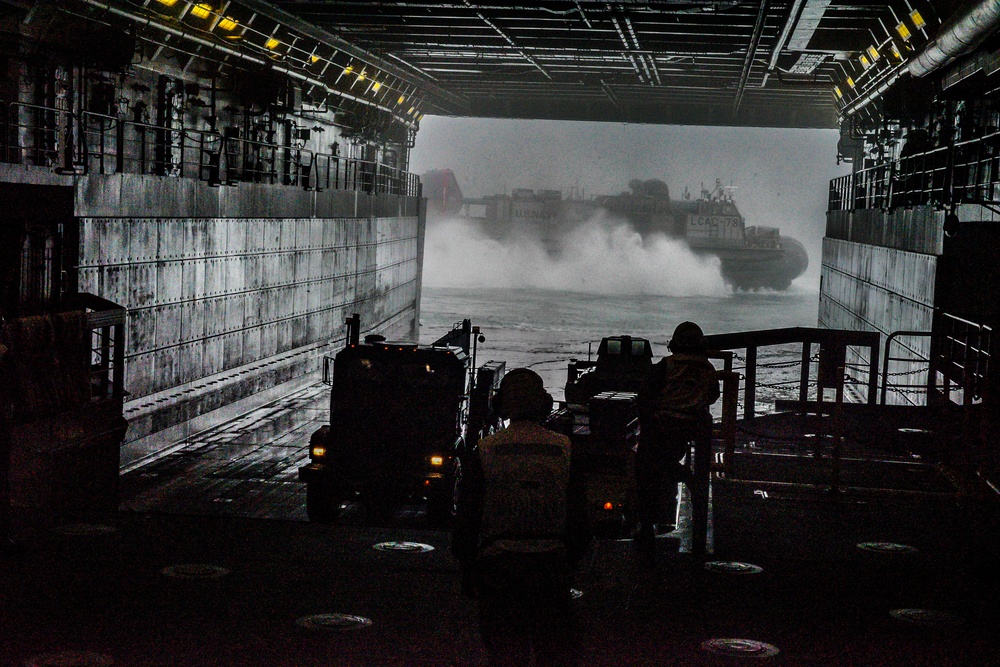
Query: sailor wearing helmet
[[673, 413]]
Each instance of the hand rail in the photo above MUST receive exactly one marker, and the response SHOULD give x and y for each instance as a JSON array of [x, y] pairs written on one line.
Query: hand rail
[[109, 144]]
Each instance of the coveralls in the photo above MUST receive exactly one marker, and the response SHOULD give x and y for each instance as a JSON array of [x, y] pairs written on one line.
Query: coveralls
[[518, 552], [673, 412]]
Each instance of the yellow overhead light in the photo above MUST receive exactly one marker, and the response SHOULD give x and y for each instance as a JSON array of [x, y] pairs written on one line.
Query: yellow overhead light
[[361, 75], [903, 32], [918, 20], [850, 82], [836, 91], [401, 99], [895, 51], [410, 112], [864, 61], [227, 23], [201, 11], [314, 58], [376, 85], [872, 53], [420, 117], [167, 3], [272, 43]]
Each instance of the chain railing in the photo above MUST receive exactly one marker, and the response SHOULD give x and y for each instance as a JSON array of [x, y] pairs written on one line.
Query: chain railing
[[94, 143]]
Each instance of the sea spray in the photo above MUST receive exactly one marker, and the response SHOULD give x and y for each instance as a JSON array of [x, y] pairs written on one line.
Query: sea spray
[[602, 255]]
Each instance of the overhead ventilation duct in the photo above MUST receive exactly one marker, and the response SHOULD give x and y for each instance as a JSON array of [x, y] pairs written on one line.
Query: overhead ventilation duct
[[957, 37]]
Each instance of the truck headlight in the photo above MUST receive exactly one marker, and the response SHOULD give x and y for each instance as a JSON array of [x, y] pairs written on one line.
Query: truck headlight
[[437, 460], [317, 452]]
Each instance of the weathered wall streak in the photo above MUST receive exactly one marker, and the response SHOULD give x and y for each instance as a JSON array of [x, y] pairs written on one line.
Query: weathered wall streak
[[221, 308]]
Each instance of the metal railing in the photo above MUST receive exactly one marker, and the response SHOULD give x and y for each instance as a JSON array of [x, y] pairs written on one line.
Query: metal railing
[[798, 371], [99, 144], [965, 172]]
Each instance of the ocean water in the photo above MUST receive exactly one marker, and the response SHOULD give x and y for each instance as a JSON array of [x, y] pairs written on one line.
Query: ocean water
[[543, 329]]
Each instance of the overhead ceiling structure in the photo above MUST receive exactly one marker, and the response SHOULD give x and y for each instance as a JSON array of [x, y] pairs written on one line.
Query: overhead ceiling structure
[[773, 63], [765, 63]]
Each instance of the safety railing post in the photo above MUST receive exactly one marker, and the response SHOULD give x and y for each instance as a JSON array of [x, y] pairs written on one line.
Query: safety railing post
[[750, 384], [838, 432]]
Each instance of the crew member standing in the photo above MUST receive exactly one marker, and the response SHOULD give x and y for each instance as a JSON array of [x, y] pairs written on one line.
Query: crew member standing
[[520, 529], [673, 413]]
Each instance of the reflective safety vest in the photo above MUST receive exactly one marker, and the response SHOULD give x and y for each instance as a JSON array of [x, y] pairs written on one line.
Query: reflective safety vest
[[526, 477]]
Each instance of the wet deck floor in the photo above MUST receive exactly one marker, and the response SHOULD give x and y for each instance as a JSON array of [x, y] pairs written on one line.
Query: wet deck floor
[[228, 497]]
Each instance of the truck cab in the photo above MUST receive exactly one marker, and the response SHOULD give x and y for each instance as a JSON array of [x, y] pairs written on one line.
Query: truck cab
[[399, 423]]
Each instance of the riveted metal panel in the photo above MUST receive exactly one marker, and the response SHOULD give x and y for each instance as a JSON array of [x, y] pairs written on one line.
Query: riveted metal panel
[[254, 228], [190, 361], [168, 324], [142, 285], [195, 238], [234, 274], [268, 340], [165, 361], [251, 345], [251, 309], [272, 235], [168, 281], [252, 272], [215, 315], [285, 268], [213, 356], [193, 320], [193, 278], [233, 349], [214, 279], [284, 335], [235, 312], [141, 331]]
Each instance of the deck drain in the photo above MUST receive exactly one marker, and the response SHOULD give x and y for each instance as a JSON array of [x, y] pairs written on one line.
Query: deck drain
[[70, 659], [887, 547], [408, 547], [927, 617], [732, 567], [85, 529], [333, 622], [575, 593], [195, 571], [740, 648]]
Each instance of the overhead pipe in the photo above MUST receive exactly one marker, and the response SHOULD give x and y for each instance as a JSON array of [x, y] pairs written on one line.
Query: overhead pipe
[[751, 54], [240, 55], [958, 36]]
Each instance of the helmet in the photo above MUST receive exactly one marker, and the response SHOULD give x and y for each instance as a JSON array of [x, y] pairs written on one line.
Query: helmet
[[688, 337], [522, 395]]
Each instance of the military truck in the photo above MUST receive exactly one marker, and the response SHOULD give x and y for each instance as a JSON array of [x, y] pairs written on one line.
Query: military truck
[[402, 416]]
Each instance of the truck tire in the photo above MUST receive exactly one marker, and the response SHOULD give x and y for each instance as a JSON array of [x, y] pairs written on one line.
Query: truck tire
[[322, 502]]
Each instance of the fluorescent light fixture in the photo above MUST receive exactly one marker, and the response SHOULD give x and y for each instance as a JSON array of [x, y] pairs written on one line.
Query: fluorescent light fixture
[[850, 82], [836, 91], [864, 61], [272, 44], [167, 3], [402, 98], [227, 23], [376, 85], [201, 11], [872, 53], [918, 20], [903, 32]]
